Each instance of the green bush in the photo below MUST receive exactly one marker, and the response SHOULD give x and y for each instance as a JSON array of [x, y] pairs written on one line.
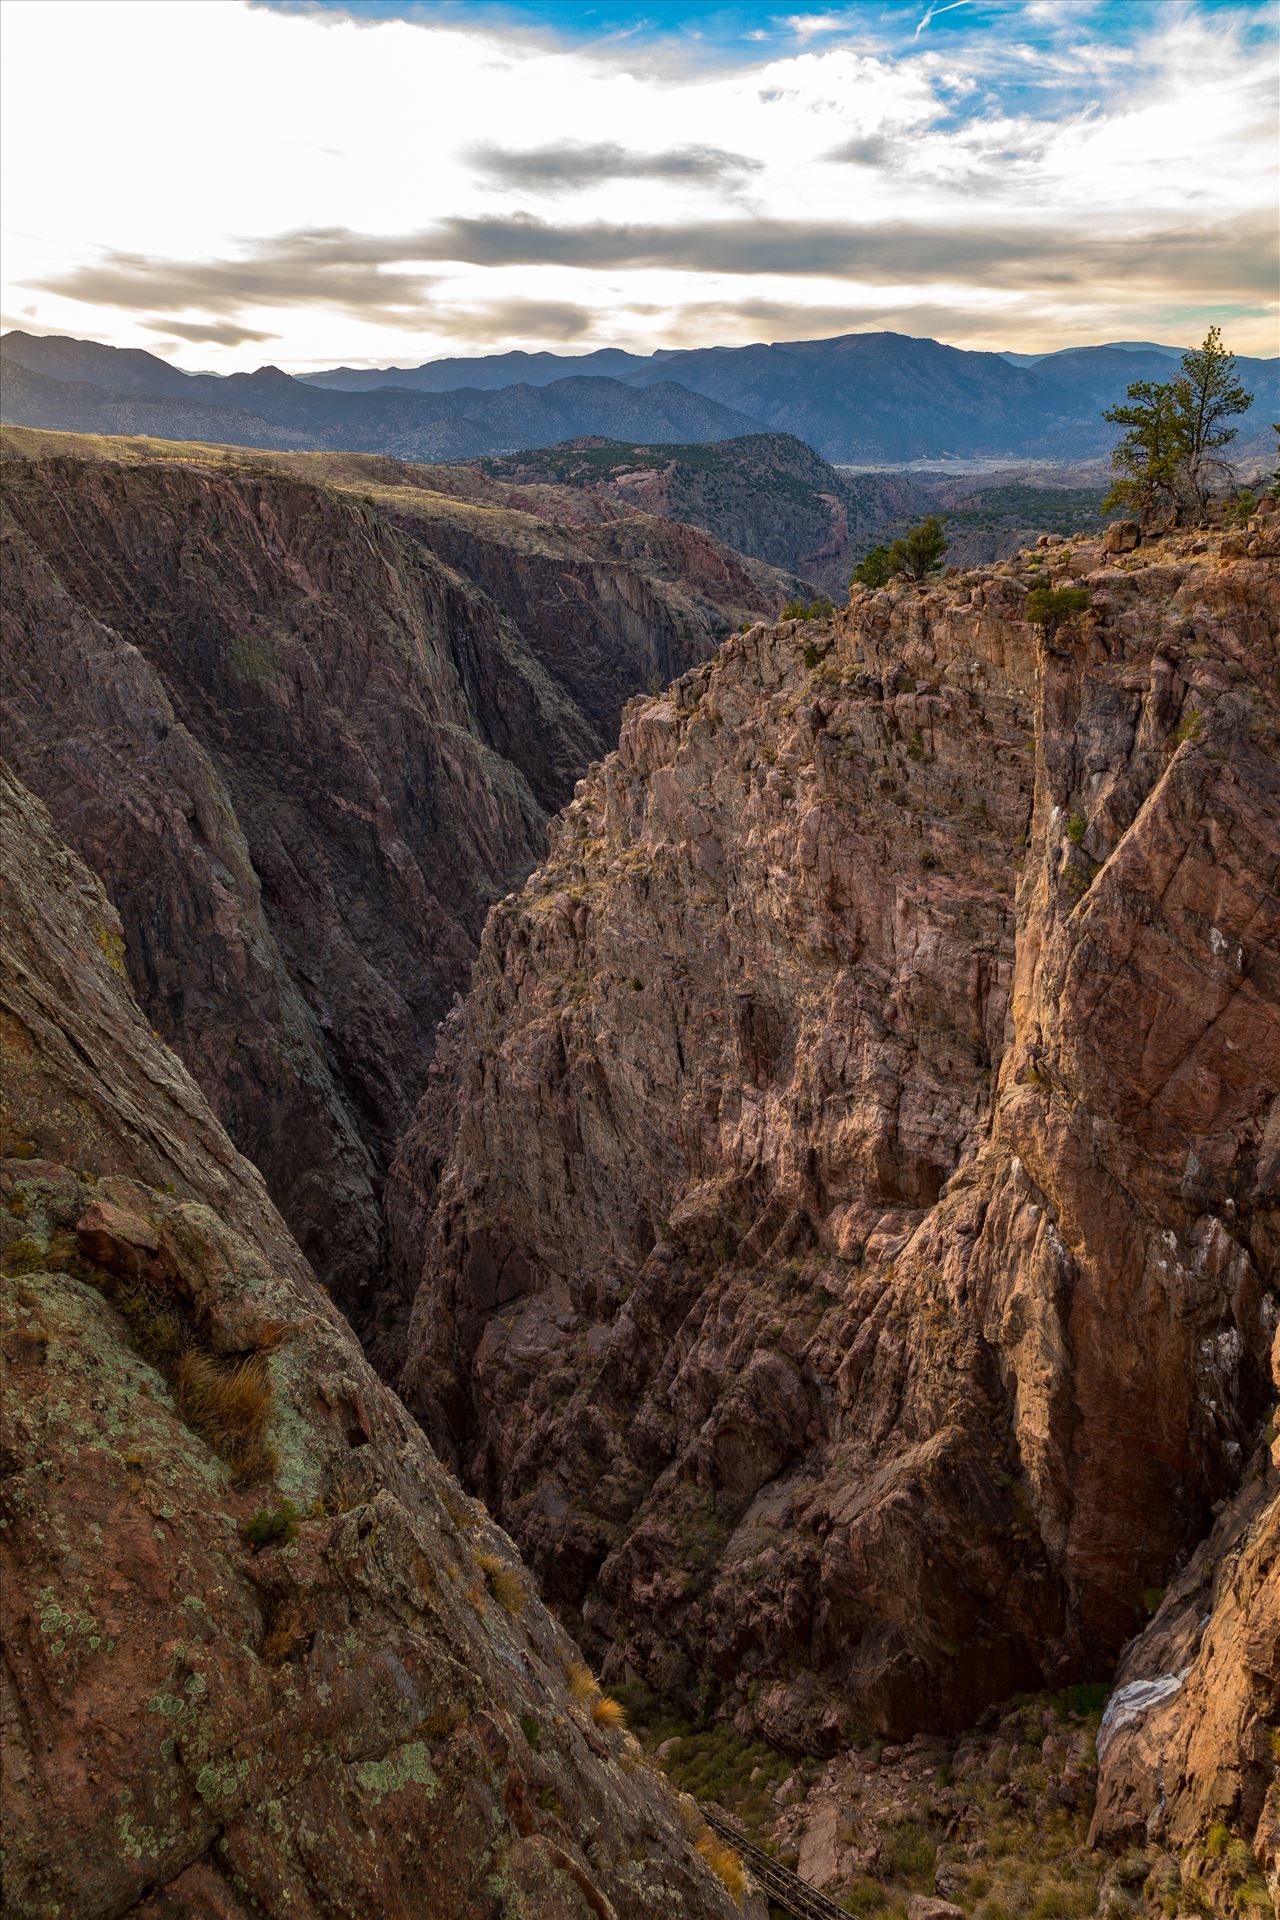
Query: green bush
[[271, 1526], [819, 609], [1051, 607], [874, 569]]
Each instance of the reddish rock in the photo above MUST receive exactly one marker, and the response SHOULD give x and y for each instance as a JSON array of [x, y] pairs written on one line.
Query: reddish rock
[[306, 1695], [848, 1195], [304, 716]]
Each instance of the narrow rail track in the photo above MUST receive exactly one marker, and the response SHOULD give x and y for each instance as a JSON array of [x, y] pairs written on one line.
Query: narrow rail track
[[776, 1882]]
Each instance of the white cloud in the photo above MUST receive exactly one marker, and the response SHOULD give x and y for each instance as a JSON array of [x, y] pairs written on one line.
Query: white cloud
[[215, 132]]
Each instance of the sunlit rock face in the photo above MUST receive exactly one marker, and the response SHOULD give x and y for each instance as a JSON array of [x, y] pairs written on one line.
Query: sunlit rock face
[[844, 1213]]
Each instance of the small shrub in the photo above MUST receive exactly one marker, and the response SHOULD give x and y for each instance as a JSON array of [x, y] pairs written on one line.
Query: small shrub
[[819, 609], [1151, 1598], [532, 1731], [503, 1581], [874, 570], [229, 1407], [1052, 607], [1188, 729], [271, 1526], [1077, 827], [608, 1713], [25, 1256]]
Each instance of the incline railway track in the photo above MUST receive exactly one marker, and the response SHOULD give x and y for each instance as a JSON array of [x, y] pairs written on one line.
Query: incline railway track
[[776, 1882]]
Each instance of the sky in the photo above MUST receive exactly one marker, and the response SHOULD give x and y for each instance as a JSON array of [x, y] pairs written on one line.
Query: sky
[[307, 183]]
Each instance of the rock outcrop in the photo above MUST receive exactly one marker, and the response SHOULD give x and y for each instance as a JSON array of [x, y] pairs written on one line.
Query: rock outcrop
[[1189, 1740], [849, 1193], [262, 1656], [305, 717]]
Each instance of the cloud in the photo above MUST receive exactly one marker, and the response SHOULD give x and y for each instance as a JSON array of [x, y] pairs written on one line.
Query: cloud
[[214, 333], [370, 275], [865, 150], [515, 320], [567, 166], [324, 267]]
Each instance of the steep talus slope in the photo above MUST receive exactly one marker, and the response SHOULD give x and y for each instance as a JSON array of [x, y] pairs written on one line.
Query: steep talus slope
[[307, 1680], [851, 1262], [305, 753]]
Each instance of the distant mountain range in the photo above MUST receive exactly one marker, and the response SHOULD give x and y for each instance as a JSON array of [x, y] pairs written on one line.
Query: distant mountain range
[[860, 399], [79, 387], [864, 398]]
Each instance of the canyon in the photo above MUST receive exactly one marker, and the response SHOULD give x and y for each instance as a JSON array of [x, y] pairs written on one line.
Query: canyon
[[306, 718], [835, 1241], [849, 1192]]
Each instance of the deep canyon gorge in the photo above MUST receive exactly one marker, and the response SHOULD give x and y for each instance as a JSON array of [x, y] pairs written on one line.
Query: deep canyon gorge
[[740, 1155]]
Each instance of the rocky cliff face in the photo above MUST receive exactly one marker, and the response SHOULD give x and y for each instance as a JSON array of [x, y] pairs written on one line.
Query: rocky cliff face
[[851, 1260], [306, 730], [263, 1657]]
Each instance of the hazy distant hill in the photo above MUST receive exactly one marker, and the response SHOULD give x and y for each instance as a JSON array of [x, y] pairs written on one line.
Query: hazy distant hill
[[80, 387], [772, 497], [766, 494], [869, 397], [862, 399]]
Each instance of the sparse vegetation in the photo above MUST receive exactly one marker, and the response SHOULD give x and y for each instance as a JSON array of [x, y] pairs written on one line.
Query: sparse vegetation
[[608, 1713], [1052, 607], [271, 1526], [807, 610], [581, 1682], [503, 1582], [724, 1862], [229, 1406]]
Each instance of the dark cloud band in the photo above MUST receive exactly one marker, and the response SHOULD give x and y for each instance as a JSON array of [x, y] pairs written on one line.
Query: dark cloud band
[[569, 165], [381, 278]]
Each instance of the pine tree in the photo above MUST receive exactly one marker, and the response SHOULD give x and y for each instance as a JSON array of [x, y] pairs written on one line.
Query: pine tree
[[1171, 453], [1148, 461], [1208, 394]]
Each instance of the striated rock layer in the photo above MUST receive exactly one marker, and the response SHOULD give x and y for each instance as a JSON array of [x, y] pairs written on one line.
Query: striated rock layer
[[849, 1194], [304, 717], [308, 1680]]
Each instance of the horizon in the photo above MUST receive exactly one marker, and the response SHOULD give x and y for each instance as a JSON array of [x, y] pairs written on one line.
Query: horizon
[[570, 356], [413, 181]]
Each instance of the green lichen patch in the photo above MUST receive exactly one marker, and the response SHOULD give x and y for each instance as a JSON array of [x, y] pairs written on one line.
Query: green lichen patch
[[406, 1766]]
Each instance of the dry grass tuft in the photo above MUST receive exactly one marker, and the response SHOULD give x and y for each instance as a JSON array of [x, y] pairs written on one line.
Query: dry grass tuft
[[608, 1713], [725, 1863], [282, 1636], [230, 1408], [503, 1581], [583, 1684]]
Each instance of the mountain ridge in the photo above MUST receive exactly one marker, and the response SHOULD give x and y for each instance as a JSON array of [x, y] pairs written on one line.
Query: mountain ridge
[[856, 398]]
